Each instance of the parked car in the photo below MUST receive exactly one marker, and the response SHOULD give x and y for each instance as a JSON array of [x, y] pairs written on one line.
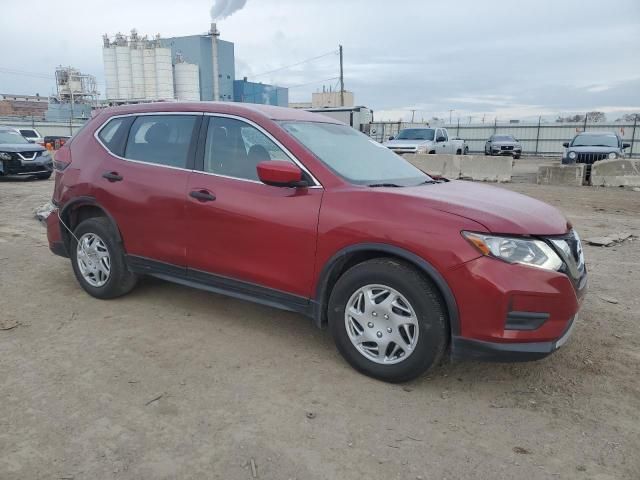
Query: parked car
[[19, 157], [426, 140], [303, 213], [359, 118], [590, 147], [501, 144], [31, 134]]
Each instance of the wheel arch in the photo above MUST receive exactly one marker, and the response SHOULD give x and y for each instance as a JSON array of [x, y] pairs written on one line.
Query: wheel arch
[[80, 209], [354, 254]]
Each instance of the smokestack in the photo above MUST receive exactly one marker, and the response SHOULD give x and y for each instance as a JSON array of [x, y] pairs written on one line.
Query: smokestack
[[216, 66]]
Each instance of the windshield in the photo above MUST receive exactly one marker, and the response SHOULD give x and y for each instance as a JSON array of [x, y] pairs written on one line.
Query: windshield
[[503, 138], [416, 134], [7, 136], [607, 140], [354, 156]]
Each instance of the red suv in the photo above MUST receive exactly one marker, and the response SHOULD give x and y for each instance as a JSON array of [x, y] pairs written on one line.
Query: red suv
[[297, 211]]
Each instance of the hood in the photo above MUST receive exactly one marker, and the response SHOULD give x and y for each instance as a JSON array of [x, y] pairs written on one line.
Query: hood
[[21, 147], [407, 143], [592, 149], [497, 209]]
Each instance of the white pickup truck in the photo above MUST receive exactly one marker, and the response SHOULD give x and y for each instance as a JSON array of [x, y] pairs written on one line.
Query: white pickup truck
[[426, 140]]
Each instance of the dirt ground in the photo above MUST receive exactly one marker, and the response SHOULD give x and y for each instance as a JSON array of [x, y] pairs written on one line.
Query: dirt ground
[[170, 382]]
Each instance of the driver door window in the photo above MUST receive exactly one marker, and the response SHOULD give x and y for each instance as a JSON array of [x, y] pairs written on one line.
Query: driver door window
[[234, 149]]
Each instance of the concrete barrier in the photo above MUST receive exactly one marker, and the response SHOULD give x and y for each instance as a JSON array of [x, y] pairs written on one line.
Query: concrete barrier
[[447, 166], [616, 173], [558, 174], [486, 169]]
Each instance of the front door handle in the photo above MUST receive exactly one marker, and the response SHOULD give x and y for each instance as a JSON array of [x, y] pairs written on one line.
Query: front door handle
[[202, 195], [112, 176]]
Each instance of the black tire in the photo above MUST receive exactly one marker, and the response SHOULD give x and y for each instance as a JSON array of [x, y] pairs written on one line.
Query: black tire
[[458, 152], [44, 176], [516, 157], [466, 151], [423, 296], [121, 280]]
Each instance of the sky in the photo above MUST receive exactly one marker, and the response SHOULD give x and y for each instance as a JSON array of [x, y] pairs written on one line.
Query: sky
[[465, 59]]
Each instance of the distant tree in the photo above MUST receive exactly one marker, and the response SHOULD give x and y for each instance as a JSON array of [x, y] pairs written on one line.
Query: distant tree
[[596, 117], [570, 119], [629, 117]]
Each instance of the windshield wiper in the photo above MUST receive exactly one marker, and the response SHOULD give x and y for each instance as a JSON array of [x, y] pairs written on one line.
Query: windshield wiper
[[373, 185]]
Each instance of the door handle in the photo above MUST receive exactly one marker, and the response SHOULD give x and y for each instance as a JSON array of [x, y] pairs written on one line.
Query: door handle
[[202, 195], [112, 176]]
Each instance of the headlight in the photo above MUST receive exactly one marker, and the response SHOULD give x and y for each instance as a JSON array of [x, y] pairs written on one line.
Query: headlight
[[534, 253], [572, 155], [5, 156], [422, 149], [613, 155]]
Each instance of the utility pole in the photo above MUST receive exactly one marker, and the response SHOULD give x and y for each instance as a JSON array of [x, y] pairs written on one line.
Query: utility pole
[[450, 112], [341, 79], [413, 114]]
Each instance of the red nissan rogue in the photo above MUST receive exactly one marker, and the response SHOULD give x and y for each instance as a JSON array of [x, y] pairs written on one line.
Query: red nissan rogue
[[297, 211]]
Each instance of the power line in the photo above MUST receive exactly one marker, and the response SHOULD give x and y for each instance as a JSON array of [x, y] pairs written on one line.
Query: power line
[[25, 74], [311, 83], [333, 52]]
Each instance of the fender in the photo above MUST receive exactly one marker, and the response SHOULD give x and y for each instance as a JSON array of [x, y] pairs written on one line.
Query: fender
[[65, 213], [425, 267]]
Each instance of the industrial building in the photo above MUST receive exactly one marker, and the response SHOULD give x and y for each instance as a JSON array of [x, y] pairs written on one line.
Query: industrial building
[[191, 68], [76, 95], [251, 92]]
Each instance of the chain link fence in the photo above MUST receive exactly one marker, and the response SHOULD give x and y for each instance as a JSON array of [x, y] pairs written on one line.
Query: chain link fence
[[538, 138]]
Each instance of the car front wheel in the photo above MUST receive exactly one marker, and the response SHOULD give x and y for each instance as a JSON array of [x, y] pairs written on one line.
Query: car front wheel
[[387, 320], [98, 260]]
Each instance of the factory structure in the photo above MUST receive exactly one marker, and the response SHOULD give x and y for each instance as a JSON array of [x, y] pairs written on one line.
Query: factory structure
[[189, 68]]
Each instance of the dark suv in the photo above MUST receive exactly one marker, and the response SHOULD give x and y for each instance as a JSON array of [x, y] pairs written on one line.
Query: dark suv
[[301, 212], [20, 157]]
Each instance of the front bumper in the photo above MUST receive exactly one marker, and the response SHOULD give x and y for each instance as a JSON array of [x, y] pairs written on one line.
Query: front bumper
[[17, 167], [465, 348], [510, 312], [54, 234], [515, 151]]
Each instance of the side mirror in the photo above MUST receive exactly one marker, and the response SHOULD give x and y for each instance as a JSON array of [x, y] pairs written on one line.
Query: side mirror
[[279, 173], [625, 145], [565, 144], [440, 139], [489, 141], [391, 137]]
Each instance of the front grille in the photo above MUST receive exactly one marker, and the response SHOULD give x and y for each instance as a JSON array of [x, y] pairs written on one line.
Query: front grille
[[591, 158], [575, 266], [506, 147]]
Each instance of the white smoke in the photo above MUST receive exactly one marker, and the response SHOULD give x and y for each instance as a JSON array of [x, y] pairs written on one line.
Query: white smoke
[[225, 8]]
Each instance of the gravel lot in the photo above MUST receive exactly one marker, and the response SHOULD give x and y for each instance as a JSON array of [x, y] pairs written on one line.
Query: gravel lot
[[171, 382]]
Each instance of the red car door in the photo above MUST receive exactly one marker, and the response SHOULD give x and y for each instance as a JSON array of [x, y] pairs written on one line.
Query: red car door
[[142, 181], [241, 229]]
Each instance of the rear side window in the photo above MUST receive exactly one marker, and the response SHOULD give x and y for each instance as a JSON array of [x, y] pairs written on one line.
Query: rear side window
[[111, 135], [161, 139]]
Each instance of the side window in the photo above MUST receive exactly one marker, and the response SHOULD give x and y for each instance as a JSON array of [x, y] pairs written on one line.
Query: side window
[[234, 149], [443, 133], [110, 134], [161, 139]]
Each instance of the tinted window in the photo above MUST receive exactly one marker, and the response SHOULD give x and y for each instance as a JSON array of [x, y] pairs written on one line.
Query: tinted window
[[605, 140], [234, 148], [29, 134], [416, 134], [503, 138], [110, 133], [161, 139], [354, 156]]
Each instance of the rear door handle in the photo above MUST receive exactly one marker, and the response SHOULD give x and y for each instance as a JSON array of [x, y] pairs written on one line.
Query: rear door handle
[[112, 176], [202, 195]]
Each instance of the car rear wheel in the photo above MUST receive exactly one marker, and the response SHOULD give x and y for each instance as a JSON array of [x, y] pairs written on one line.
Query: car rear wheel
[[98, 260], [387, 320]]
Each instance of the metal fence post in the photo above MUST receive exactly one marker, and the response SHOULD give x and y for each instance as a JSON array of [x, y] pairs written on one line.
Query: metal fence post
[[495, 125], [633, 134], [382, 138], [458, 131], [584, 129], [538, 134]]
